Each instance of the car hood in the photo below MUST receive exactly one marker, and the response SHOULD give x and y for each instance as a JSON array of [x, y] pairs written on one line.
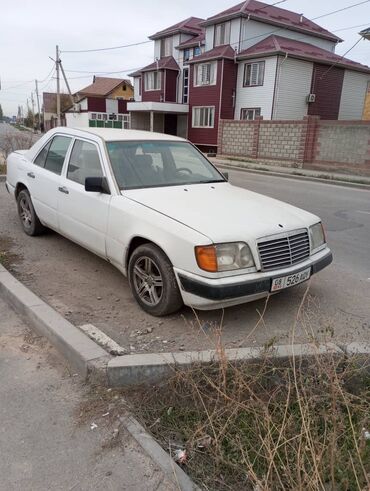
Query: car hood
[[223, 212]]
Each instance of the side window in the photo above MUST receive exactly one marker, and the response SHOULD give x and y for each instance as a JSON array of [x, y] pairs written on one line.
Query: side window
[[84, 162], [40, 159], [57, 153]]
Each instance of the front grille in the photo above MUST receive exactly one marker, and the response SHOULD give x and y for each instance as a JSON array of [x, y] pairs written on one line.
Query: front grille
[[284, 251]]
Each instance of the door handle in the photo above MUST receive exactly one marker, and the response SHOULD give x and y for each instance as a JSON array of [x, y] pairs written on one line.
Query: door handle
[[63, 189], [31, 174]]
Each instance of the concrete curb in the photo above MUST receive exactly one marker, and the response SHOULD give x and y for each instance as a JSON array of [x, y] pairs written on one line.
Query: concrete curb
[[151, 368], [253, 170], [158, 454], [86, 357]]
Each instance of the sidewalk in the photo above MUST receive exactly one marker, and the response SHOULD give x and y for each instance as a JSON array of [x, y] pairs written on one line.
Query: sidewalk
[[336, 177], [42, 444]]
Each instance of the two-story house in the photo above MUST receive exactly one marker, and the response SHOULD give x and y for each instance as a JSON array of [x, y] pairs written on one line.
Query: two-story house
[[102, 104], [252, 60]]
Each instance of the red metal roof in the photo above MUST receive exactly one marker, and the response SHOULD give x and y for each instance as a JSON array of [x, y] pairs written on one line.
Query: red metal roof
[[103, 86], [166, 63], [225, 51], [298, 49], [188, 26], [194, 41], [272, 15]]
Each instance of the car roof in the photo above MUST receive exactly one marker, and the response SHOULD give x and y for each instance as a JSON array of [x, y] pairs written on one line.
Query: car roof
[[110, 134]]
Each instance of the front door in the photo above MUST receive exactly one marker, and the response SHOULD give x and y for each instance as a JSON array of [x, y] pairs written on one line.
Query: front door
[[170, 124], [83, 215]]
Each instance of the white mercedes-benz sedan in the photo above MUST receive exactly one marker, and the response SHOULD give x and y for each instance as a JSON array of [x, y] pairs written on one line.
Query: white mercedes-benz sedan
[[158, 210]]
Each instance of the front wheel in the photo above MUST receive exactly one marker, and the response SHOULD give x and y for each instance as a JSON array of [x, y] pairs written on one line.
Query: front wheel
[[153, 281], [27, 215]]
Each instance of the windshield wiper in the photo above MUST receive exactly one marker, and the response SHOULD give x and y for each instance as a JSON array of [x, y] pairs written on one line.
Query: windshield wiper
[[210, 181]]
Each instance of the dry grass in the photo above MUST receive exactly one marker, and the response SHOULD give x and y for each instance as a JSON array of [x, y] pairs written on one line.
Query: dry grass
[[294, 425], [16, 140]]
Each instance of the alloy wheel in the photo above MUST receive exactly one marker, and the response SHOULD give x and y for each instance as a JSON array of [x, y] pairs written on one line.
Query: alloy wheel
[[147, 280], [25, 212]]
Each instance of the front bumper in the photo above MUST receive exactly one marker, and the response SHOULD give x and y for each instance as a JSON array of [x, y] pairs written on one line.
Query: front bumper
[[205, 293]]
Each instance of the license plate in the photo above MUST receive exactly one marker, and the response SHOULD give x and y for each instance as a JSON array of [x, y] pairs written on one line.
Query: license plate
[[290, 280]]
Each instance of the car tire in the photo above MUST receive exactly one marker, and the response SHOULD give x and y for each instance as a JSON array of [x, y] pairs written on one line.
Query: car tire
[[29, 220], [152, 281]]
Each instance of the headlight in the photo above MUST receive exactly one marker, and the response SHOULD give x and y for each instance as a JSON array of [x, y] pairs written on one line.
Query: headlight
[[317, 235], [224, 257]]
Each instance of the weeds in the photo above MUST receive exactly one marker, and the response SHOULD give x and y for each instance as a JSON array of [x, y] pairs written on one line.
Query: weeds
[[298, 424]]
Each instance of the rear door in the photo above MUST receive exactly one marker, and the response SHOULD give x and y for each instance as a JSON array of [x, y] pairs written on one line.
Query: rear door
[[43, 179], [83, 215]]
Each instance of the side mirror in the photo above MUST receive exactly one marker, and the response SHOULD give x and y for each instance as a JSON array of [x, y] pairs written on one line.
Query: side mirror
[[226, 175], [97, 185]]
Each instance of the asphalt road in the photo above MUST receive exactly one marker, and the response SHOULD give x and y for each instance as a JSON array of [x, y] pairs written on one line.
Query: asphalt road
[[86, 289], [46, 440]]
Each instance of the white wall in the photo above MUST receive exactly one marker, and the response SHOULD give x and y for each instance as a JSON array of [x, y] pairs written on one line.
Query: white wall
[[293, 84], [252, 28], [353, 95], [235, 32], [137, 95], [74, 120], [248, 97]]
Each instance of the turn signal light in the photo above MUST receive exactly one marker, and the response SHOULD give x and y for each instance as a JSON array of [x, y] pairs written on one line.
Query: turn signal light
[[206, 258]]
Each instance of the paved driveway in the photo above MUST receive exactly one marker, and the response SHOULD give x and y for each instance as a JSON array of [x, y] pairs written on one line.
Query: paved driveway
[[86, 289]]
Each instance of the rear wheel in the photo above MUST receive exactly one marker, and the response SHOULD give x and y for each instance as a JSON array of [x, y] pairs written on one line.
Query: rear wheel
[[27, 215], [153, 281]]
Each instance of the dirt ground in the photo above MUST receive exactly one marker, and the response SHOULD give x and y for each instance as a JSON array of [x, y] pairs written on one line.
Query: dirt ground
[[86, 289]]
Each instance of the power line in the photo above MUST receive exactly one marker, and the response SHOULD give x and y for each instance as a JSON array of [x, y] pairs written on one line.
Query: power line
[[352, 27], [340, 59], [341, 10], [107, 49]]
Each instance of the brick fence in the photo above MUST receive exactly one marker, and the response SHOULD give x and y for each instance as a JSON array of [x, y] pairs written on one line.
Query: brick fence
[[309, 143]]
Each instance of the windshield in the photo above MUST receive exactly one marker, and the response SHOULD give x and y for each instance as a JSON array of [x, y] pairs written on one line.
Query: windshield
[[147, 164]]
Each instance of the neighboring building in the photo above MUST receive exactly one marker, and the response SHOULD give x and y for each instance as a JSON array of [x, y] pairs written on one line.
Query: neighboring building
[[252, 60], [49, 109], [102, 104]]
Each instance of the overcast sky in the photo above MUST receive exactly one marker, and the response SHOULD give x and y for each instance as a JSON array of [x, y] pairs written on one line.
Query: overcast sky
[[30, 29]]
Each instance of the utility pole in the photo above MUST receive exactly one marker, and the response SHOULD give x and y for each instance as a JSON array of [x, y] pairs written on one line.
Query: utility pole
[[33, 110], [38, 105], [57, 61], [67, 84]]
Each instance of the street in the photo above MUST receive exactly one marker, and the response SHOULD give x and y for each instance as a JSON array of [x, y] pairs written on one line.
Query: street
[[86, 289]]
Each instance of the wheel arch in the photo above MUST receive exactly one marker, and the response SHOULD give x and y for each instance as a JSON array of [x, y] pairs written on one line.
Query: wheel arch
[[136, 242], [18, 188]]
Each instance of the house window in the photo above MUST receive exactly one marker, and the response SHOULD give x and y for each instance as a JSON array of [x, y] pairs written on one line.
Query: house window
[[196, 51], [222, 34], [93, 115], [105, 116], [203, 117], [186, 54], [205, 74], [249, 114], [100, 116], [166, 47], [152, 81], [124, 88], [185, 86], [254, 74]]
